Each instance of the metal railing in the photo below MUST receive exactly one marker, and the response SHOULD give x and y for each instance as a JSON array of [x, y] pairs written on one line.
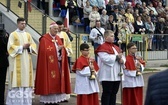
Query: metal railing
[[36, 19], [159, 46]]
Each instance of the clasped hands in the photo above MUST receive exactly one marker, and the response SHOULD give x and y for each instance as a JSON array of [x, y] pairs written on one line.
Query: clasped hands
[[26, 46], [118, 58]]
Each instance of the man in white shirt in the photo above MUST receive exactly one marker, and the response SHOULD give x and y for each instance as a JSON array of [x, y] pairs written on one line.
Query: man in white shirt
[[97, 35]]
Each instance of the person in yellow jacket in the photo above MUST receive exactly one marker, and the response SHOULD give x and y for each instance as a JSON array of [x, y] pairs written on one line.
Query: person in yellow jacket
[[129, 15]]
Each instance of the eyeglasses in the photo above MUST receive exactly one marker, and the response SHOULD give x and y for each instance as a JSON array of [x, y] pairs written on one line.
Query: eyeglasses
[[85, 50], [133, 48]]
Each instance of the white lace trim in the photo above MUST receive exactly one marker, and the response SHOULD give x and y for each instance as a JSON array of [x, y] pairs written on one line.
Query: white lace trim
[[53, 98]]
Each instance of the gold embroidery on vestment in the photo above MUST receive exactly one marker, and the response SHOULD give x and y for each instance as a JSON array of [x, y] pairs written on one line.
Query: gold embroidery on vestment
[[51, 58], [49, 48], [53, 74]]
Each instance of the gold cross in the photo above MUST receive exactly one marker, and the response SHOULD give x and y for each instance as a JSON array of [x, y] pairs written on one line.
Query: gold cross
[[49, 48], [54, 41]]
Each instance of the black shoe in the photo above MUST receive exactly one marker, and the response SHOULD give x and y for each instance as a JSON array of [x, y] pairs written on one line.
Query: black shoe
[[64, 101]]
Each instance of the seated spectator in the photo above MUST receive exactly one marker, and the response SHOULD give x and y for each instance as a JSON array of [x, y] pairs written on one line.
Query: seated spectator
[[160, 10], [136, 14], [93, 16], [150, 28], [150, 6], [144, 16], [122, 5], [129, 15], [145, 8], [115, 14], [104, 18], [129, 6], [122, 15], [155, 3], [153, 17], [140, 9], [129, 25], [139, 26]]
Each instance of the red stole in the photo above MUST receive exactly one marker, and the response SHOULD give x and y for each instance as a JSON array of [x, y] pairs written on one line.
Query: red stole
[[107, 47], [50, 79], [82, 62], [130, 63]]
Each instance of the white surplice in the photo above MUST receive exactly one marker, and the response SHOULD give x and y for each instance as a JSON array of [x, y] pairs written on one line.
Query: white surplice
[[83, 84]]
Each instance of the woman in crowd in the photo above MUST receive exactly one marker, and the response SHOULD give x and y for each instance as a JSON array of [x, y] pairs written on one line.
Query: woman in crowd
[[93, 16]]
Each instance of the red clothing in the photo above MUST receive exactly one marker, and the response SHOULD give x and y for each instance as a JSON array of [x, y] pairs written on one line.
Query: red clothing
[[50, 79], [82, 62], [130, 63], [107, 47], [88, 99], [133, 96], [62, 2]]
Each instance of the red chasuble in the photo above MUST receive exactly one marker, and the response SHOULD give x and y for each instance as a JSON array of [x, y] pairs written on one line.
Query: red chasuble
[[107, 47], [50, 77], [82, 62]]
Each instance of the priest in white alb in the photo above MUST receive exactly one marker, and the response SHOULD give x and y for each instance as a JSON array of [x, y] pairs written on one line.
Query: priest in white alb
[[20, 48]]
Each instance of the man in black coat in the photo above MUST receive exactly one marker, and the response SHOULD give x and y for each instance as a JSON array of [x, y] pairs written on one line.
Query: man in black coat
[[3, 63], [157, 90]]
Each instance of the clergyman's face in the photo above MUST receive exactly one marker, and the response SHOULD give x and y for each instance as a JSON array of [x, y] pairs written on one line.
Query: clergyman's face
[[21, 25], [53, 30]]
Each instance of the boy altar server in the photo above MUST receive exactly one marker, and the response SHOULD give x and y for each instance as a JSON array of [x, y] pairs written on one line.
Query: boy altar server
[[133, 82], [86, 86]]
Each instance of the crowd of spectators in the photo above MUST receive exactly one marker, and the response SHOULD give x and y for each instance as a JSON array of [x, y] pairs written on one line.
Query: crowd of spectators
[[130, 16]]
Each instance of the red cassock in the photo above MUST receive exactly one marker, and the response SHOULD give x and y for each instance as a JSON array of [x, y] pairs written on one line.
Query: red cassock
[[134, 95], [50, 77], [86, 99]]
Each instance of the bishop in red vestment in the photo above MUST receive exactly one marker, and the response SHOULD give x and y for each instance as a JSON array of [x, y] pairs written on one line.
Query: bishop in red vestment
[[52, 74]]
